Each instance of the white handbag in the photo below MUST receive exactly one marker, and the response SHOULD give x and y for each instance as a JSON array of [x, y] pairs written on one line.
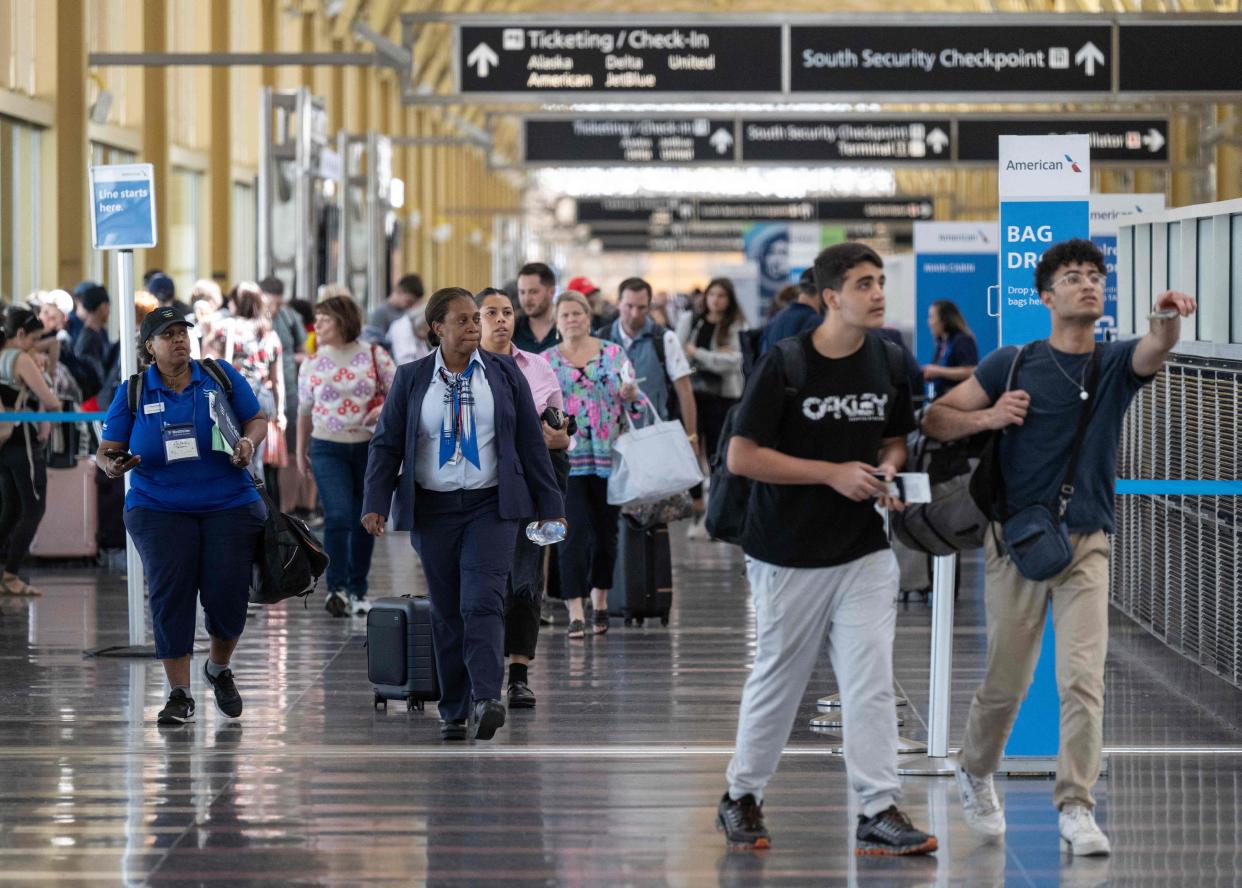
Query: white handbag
[[651, 462]]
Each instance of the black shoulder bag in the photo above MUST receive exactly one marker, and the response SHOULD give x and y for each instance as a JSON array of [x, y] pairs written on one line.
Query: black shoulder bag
[[1037, 537]]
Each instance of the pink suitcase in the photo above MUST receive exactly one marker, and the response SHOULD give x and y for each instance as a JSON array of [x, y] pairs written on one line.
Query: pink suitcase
[[68, 526]]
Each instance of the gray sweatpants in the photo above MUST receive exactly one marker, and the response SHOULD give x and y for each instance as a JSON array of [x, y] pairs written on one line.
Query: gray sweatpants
[[851, 608]]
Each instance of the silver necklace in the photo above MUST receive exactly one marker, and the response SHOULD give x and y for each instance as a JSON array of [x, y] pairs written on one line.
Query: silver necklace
[[1082, 388]]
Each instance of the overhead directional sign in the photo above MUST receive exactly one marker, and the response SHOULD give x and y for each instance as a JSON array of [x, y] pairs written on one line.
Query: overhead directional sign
[[661, 212], [944, 58], [1132, 141], [623, 140], [1201, 58], [860, 141], [634, 58]]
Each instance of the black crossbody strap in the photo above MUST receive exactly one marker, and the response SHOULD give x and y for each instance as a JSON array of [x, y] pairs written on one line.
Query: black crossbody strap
[[1066, 492], [1011, 381]]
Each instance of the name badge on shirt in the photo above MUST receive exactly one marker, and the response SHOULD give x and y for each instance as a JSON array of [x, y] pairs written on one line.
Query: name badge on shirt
[[157, 407], [180, 443]]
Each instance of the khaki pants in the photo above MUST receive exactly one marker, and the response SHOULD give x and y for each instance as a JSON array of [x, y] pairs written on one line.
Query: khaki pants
[[1016, 610]]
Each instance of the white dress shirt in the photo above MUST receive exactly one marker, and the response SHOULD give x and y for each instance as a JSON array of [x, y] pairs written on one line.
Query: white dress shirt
[[462, 475]]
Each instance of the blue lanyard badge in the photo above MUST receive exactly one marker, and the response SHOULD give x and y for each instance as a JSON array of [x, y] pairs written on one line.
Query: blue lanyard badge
[[180, 442]]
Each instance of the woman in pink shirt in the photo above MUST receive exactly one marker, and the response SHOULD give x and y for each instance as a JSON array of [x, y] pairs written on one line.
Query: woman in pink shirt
[[525, 592]]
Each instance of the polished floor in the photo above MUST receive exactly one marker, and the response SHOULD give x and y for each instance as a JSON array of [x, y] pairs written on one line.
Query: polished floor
[[612, 780]]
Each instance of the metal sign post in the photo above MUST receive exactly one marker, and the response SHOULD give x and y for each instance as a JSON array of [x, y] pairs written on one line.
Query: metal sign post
[[936, 763], [122, 219]]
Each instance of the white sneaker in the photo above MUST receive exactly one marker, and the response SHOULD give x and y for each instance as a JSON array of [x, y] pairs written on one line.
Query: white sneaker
[[982, 809], [1080, 832], [697, 529], [360, 607]]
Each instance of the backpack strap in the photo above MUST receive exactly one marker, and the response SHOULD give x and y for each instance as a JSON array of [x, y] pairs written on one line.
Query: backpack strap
[[657, 342], [217, 373], [133, 392], [793, 365], [896, 360]]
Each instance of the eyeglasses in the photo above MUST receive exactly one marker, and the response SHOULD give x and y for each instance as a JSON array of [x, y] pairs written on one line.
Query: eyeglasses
[[1077, 278]]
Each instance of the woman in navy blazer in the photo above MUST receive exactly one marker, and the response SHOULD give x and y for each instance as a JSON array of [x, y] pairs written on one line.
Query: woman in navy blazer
[[459, 436]]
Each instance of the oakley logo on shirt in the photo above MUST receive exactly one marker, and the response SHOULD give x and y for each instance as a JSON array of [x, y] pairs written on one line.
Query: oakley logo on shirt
[[854, 408]]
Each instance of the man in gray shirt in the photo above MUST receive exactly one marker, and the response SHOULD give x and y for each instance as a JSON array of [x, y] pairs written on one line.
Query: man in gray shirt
[[406, 295]]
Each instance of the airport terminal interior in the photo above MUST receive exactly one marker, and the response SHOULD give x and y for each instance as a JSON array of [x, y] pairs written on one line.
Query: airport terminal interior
[[226, 167]]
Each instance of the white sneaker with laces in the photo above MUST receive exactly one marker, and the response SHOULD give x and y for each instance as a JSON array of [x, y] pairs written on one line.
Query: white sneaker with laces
[[360, 607], [1080, 832], [982, 809]]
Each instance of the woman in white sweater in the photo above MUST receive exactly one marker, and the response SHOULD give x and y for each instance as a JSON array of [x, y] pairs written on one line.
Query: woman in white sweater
[[711, 342], [341, 390]]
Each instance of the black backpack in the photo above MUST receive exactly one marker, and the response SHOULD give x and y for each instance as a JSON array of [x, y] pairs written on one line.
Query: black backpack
[[751, 343], [289, 559], [729, 501]]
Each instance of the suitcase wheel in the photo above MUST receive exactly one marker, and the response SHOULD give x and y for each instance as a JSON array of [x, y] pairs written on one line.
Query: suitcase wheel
[[411, 705], [629, 621], [664, 620], [381, 703], [638, 621]]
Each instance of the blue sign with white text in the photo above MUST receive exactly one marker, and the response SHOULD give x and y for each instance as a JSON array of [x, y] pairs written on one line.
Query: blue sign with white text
[[123, 206], [963, 279], [1106, 326], [1028, 228]]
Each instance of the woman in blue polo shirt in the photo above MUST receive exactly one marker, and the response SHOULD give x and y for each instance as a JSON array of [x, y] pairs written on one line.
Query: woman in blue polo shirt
[[192, 509]]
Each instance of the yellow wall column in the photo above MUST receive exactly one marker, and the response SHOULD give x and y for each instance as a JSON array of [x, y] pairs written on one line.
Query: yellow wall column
[[219, 156], [68, 180], [1228, 156], [155, 122]]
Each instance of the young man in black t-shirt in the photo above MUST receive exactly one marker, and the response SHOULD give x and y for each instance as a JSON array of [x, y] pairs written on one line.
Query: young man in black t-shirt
[[817, 557]]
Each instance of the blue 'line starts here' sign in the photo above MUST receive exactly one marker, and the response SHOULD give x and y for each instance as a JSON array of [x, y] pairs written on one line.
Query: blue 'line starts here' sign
[[123, 206]]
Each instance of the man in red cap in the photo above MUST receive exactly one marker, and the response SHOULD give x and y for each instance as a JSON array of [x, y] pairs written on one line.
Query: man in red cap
[[603, 312]]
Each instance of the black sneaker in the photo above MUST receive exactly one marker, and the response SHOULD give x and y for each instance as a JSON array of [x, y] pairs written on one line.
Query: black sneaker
[[337, 604], [178, 710], [521, 696], [228, 701], [891, 834], [452, 730], [742, 822], [489, 717]]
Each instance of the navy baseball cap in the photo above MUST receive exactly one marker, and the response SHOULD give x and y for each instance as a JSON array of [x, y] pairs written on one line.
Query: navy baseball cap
[[161, 286], [156, 322]]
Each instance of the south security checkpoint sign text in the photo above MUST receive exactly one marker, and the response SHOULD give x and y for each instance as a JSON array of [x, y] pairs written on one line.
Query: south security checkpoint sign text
[[1045, 187], [123, 206]]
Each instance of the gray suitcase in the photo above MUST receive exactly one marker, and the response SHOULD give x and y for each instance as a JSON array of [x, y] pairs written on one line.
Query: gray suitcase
[[401, 657]]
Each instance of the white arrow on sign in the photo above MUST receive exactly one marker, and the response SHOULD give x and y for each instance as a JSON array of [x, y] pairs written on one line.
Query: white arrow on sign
[[938, 140], [483, 58], [1153, 140], [721, 140], [1089, 56]]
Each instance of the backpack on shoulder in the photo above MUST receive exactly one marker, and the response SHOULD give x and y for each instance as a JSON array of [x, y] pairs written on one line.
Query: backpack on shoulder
[[9, 377], [957, 518]]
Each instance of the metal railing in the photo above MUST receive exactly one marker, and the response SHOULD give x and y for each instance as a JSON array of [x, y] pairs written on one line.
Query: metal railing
[[1177, 559]]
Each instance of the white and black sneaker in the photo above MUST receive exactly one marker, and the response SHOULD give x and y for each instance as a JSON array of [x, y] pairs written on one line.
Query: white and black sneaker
[[359, 607], [178, 710], [228, 700], [337, 604]]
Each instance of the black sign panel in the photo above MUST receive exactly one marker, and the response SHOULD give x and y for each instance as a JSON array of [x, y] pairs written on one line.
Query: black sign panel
[[1180, 58], [671, 58], [617, 140], [961, 59], [656, 213], [1129, 141], [850, 141]]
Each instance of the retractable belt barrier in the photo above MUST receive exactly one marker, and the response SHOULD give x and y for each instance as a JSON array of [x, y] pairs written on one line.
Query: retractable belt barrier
[[52, 417]]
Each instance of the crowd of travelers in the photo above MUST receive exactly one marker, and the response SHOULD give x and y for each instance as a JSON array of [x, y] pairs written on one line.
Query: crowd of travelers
[[478, 421]]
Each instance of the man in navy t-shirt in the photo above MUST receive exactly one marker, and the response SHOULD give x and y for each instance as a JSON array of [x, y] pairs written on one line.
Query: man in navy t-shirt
[[801, 316], [1041, 414]]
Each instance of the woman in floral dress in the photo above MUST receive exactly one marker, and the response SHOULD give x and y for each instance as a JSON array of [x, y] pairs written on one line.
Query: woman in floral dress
[[597, 380]]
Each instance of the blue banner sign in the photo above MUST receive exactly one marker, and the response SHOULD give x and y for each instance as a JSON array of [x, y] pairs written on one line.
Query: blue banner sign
[[122, 206], [955, 261]]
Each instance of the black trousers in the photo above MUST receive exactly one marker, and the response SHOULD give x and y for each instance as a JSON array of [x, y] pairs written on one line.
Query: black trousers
[[524, 597], [589, 552], [711, 413], [23, 497]]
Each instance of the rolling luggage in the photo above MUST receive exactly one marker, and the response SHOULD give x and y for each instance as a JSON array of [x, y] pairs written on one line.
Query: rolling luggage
[[642, 586], [68, 526], [401, 661]]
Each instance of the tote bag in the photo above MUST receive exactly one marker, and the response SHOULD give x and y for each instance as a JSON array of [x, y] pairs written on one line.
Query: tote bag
[[651, 462]]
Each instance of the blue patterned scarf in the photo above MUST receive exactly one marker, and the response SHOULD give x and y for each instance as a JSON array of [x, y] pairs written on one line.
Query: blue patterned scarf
[[457, 432]]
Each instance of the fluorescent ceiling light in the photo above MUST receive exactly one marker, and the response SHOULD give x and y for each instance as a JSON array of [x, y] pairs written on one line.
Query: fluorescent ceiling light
[[791, 182]]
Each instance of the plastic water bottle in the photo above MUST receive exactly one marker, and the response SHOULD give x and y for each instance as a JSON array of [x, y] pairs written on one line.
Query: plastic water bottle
[[551, 532]]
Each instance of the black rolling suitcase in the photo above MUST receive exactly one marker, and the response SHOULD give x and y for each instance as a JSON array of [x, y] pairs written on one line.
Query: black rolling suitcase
[[642, 586], [401, 661]]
